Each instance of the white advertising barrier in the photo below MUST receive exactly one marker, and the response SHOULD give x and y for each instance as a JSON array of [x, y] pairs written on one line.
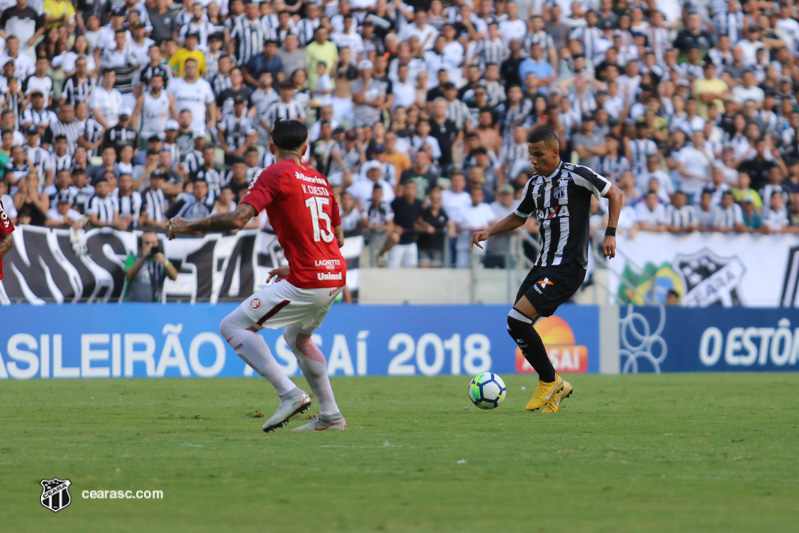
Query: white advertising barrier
[[706, 269], [43, 266]]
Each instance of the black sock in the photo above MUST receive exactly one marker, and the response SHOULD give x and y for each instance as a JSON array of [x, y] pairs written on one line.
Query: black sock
[[521, 329]]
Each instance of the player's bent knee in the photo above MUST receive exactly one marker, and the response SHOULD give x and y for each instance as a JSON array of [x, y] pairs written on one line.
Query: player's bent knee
[[517, 320], [290, 336]]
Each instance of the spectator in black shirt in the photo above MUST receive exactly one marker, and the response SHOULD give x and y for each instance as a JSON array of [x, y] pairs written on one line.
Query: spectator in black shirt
[[693, 36], [509, 69], [121, 134], [435, 228], [420, 174], [407, 209], [444, 131], [758, 166]]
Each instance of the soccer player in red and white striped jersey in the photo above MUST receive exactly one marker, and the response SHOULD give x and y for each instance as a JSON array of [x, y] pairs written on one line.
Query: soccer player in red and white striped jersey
[[305, 217]]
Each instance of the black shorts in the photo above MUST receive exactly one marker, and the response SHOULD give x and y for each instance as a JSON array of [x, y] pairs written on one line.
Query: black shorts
[[548, 287]]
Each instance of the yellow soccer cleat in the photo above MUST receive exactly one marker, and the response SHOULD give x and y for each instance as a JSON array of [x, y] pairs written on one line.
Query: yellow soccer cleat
[[544, 392], [553, 404]]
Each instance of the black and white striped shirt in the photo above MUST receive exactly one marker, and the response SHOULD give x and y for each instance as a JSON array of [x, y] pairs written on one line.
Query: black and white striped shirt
[[280, 110], [148, 71], [75, 91], [130, 206], [640, 150], [541, 38], [613, 167], [510, 117], [491, 51], [71, 131], [250, 37], [220, 84], [235, 130], [60, 162], [683, 217], [458, 113], [39, 118], [155, 205], [82, 198], [561, 202], [104, 208], [193, 162], [212, 177], [305, 29], [590, 37], [92, 132]]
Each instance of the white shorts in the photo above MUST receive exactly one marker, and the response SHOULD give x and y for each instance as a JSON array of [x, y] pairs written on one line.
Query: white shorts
[[282, 304], [403, 256]]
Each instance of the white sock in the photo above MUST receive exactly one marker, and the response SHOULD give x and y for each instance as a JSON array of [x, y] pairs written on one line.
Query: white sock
[[251, 347], [314, 368]]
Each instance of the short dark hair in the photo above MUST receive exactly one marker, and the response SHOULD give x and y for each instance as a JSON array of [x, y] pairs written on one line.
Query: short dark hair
[[289, 134], [543, 134]]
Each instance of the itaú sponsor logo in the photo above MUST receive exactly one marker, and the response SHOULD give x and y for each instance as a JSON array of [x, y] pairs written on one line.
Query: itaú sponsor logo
[[752, 346], [329, 264], [324, 276]]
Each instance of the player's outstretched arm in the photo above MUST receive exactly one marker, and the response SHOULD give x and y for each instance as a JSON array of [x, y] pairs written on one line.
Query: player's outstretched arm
[[221, 222], [615, 202], [509, 223], [6, 244]]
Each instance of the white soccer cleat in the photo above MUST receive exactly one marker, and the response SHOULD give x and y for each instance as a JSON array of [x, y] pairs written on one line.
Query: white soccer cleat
[[324, 422], [288, 408]]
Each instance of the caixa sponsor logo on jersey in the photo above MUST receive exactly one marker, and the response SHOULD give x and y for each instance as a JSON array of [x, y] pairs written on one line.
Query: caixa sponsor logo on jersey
[[751, 346], [548, 213], [330, 264]]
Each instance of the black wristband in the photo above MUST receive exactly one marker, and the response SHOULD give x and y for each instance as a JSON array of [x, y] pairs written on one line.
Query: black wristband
[[610, 232]]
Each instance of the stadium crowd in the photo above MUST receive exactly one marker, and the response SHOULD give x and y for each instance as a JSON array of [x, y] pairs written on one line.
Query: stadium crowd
[[123, 113]]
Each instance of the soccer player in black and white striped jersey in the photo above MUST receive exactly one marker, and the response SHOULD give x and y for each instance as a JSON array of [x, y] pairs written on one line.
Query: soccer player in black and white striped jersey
[[559, 195]]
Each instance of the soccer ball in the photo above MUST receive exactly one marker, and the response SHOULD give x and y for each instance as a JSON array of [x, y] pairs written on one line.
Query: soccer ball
[[487, 390]]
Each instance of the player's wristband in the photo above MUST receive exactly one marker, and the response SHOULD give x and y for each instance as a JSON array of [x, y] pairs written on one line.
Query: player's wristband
[[610, 232]]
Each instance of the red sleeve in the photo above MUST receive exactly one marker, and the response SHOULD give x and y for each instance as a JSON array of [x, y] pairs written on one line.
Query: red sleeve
[[6, 227], [336, 215], [263, 189]]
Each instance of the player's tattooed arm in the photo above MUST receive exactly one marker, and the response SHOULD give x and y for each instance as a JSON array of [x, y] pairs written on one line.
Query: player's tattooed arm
[[221, 222], [6, 243], [340, 236]]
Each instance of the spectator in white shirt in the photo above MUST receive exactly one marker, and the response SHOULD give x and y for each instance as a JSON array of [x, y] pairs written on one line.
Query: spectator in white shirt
[[654, 172], [729, 216], [680, 218], [476, 217], [403, 90], [650, 213], [776, 219], [748, 90], [420, 29], [62, 215], [106, 102]]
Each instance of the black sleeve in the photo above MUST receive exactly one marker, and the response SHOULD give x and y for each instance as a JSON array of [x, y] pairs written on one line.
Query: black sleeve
[[175, 209], [49, 136], [527, 205]]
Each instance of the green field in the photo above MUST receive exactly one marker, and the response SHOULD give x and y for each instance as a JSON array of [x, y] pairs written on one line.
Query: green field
[[713, 452]]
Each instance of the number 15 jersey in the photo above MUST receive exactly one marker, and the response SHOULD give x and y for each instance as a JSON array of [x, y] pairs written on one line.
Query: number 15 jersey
[[304, 215]]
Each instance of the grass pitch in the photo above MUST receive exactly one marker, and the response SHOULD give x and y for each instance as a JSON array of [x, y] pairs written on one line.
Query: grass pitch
[[712, 452]]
